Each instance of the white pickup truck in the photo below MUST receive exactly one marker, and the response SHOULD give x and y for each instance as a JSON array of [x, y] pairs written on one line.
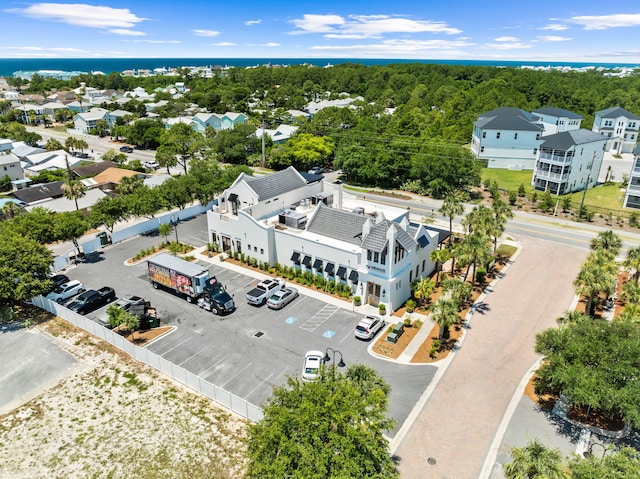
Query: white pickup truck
[[263, 291]]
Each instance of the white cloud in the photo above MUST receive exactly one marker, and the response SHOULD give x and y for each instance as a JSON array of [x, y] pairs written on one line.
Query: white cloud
[[350, 36], [205, 33], [124, 31], [250, 23], [506, 39], [401, 48], [555, 26], [41, 52], [43, 49], [223, 44], [553, 38], [604, 22], [154, 41], [310, 23], [507, 45], [81, 15], [270, 44], [367, 26]]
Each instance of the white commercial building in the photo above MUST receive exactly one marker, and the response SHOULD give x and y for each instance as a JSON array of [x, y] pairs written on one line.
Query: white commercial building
[[300, 221]]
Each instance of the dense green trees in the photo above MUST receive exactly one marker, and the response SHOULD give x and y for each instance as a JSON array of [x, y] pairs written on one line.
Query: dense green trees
[[595, 363], [331, 427]]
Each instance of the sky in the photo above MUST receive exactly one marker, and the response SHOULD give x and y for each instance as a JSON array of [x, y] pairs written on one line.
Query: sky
[[542, 30]]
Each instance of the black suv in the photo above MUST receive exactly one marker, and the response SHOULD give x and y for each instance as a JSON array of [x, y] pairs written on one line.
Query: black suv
[[126, 149]]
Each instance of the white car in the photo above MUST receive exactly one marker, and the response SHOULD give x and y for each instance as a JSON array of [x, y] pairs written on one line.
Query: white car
[[313, 360], [368, 327], [151, 165], [66, 291]]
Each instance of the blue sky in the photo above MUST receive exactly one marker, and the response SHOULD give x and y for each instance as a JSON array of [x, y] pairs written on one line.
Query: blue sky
[[573, 31]]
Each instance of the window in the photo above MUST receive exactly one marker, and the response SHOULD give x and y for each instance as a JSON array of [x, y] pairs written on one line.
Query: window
[[498, 135], [417, 270], [376, 257], [482, 149], [249, 247], [369, 255], [537, 136], [383, 256], [515, 136], [261, 250], [398, 253], [255, 249], [410, 276], [423, 263], [484, 134], [535, 151]]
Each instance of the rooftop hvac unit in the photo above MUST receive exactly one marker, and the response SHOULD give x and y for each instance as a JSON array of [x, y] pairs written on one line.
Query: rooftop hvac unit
[[292, 219], [326, 198], [358, 209]]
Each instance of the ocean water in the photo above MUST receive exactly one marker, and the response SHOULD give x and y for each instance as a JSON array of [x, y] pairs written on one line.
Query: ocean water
[[108, 65]]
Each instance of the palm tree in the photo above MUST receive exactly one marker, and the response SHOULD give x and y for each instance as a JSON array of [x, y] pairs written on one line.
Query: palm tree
[[52, 145], [11, 210], [632, 262], [445, 313], [631, 292], [596, 276], [439, 257], [70, 144], [72, 190], [423, 288], [501, 213], [451, 207], [607, 240], [477, 249], [573, 317], [165, 230], [458, 290], [535, 461], [631, 312]]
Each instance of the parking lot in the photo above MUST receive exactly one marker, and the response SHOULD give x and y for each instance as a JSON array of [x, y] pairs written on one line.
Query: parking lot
[[255, 348]]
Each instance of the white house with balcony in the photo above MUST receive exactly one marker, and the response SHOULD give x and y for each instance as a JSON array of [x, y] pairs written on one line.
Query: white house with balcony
[[569, 161], [619, 126], [300, 221], [557, 120], [87, 121], [632, 195], [507, 138]]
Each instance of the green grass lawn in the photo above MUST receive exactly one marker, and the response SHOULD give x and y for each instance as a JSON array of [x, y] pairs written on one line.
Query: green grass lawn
[[508, 180], [605, 196]]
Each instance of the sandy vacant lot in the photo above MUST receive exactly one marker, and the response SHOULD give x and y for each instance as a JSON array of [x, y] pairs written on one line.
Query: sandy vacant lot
[[112, 417]]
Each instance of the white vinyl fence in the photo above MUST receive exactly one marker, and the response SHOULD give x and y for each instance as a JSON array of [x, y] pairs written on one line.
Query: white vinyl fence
[[225, 398]]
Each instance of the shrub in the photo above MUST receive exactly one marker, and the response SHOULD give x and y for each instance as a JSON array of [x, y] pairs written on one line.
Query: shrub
[[513, 197], [481, 275], [521, 190], [382, 308], [633, 219], [411, 305], [407, 322]]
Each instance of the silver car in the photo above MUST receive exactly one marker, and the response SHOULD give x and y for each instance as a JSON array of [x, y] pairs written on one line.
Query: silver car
[[66, 291], [368, 327], [280, 299], [313, 360]]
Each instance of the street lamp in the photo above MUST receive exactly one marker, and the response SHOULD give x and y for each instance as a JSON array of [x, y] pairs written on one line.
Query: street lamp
[[332, 358], [174, 219], [590, 452]]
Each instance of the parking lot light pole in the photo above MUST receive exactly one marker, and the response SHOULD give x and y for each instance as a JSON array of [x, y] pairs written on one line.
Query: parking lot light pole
[[174, 222], [332, 358]]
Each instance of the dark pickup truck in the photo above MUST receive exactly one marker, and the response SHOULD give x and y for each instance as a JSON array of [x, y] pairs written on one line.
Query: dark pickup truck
[[92, 299]]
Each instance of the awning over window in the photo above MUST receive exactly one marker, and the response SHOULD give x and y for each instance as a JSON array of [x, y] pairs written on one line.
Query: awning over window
[[307, 261], [295, 257], [233, 197], [353, 276], [330, 268], [317, 264], [423, 241], [342, 272]]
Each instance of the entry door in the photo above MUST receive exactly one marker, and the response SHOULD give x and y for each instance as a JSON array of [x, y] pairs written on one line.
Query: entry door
[[238, 246], [226, 243], [373, 294]]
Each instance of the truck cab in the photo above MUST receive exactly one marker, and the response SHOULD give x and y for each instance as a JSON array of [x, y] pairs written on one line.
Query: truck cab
[[215, 298]]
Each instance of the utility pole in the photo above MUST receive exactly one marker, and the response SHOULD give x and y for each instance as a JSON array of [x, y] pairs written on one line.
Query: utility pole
[[584, 193]]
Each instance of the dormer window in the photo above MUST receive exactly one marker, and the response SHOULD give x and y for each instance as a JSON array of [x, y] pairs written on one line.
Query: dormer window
[[398, 253]]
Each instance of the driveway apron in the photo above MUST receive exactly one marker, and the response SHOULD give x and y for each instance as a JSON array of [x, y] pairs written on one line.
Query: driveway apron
[[452, 434]]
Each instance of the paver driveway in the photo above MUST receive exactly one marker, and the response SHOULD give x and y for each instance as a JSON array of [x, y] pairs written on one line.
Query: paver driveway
[[458, 423]]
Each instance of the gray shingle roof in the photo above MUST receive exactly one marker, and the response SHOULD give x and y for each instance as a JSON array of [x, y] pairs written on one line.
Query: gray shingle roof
[[39, 192], [507, 123], [567, 139], [616, 112], [275, 184], [337, 224], [508, 111], [376, 240], [559, 112]]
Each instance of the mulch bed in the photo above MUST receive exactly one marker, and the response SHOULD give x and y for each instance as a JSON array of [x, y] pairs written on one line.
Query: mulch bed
[[595, 418]]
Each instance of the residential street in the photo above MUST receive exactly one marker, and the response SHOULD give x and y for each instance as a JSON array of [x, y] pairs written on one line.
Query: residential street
[[453, 432]]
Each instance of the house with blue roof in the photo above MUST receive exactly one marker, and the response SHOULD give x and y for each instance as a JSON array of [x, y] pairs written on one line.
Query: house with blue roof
[[299, 220]]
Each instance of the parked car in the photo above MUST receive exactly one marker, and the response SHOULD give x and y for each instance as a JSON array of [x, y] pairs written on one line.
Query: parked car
[[368, 327], [57, 280], [92, 299], [264, 290], [316, 170], [126, 149], [150, 164], [131, 302], [66, 291], [280, 299], [313, 360]]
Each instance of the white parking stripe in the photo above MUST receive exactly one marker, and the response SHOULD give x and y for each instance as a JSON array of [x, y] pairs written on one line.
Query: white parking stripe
[[260, 384], [195, 354], [235, 375]]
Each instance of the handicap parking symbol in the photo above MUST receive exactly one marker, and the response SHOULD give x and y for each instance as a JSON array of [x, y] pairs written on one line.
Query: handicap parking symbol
[[290, 320], [329, 334]]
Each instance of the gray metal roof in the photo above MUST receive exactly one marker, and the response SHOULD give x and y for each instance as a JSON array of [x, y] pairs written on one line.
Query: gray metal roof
[[508, 111], [504, 122], [337, 224], [376, 240], [567, 139], [275, 184], [616, 112], [559, 112]]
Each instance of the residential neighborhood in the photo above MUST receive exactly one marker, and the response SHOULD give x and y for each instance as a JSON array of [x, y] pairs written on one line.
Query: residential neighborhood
[[271, 251]]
